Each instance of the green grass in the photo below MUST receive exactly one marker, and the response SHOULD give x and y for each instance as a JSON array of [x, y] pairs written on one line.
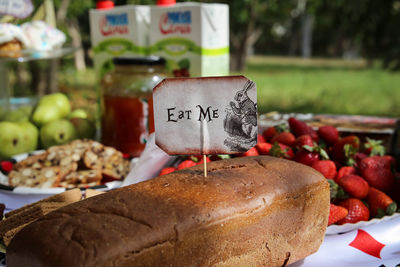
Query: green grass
[[328, 86], [324, 86]]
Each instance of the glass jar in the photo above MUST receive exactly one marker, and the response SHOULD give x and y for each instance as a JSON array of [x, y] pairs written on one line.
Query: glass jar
[[127, 103]]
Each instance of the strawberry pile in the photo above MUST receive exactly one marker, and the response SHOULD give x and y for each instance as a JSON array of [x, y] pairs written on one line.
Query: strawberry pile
[[364, 182]]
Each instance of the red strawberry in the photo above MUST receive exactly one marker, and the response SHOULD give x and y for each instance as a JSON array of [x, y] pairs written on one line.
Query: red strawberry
[[269, 133], [306, 157], [336, 213], [326, 167], [391, 160], [285, 138], [281, 151], [344, 149], [186, 164], [299, 128], [358, 157], [260, 139], [202, 160], [357, 211], [6, 166], [354, 185], [379, 203], [251, 152], [329, 133], [167, 170], [343, 171], [263, 148], [377, 171], [304, 140]]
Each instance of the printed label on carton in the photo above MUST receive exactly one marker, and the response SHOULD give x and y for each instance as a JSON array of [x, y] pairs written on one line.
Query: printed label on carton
[[194, 38]]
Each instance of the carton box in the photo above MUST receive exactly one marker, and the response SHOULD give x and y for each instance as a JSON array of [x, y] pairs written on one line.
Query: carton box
[[120, 31], [193, 37]]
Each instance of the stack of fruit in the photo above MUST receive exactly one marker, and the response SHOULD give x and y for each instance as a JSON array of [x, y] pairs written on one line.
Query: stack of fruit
[[365, 183], [50, 123]]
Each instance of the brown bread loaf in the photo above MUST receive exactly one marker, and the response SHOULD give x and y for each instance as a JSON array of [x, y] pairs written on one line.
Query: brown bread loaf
[[254, 211]]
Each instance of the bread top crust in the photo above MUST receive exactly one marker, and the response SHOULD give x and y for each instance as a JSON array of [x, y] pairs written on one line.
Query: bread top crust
[[160, 210]]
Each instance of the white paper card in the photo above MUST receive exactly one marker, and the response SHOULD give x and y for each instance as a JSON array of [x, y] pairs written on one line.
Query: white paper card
[[208, 115]]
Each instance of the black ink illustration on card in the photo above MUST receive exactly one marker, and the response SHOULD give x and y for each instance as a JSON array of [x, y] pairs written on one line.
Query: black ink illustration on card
[[241, 120]]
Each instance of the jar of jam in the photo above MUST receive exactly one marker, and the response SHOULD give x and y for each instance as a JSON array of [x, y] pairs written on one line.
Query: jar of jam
[[127, 103]]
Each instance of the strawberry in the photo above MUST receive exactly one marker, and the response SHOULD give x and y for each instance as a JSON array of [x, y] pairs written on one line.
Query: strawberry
[[285, 138], [269, 133], [260, 139], [392, 161], [263, 148], [380, 204], [281, 151], [251, 152], [345, 148], [354, 185], [377, 172], [357, 211], [336, 213], [306, 157], [326, 167], [303, 140], [309, 154], [186, 164], [329, 133], [202, 160], [167, 170], [374, 147], [6, 166], [343, 171], [299, 128], [358, 157]]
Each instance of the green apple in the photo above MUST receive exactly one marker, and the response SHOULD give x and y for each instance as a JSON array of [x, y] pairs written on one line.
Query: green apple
[[57, 132], [51, 107], [30, 134], [84, 128], [16, 138], [21, 114], [78, 113], [59, 100]]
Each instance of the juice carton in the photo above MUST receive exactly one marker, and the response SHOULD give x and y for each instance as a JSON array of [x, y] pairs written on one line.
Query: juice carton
[[192, 37], [120, 31]]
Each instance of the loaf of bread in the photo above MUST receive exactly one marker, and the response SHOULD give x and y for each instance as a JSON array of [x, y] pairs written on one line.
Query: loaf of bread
[[254, 211]]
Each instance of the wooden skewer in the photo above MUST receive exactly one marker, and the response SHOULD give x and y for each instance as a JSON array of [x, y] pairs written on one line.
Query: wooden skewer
[[205, 165]]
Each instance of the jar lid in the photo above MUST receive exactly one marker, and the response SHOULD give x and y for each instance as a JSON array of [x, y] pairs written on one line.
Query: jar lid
[[151, 60]]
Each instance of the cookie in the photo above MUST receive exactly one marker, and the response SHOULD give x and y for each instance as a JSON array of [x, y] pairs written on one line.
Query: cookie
[[107, 159], [40, 178], [83, 177]]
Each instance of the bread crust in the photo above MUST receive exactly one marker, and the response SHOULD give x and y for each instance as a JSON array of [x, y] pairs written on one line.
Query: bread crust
[[254, 211]]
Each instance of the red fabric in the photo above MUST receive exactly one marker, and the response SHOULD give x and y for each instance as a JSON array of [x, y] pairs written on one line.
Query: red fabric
[[366, 243]]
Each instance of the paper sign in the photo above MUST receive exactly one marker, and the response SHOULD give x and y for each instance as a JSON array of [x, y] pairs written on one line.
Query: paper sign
[[208, 115], [17, 8]]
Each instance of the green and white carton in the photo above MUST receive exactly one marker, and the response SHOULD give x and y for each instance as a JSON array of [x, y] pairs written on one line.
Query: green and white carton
[[193, 37], [120, 31]]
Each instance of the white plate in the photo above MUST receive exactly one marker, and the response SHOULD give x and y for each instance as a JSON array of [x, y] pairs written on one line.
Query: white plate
[[347, 227]]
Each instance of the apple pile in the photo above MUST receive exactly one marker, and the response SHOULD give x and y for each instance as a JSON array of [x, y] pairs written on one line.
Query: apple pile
[[50, 122], [364, 182]]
